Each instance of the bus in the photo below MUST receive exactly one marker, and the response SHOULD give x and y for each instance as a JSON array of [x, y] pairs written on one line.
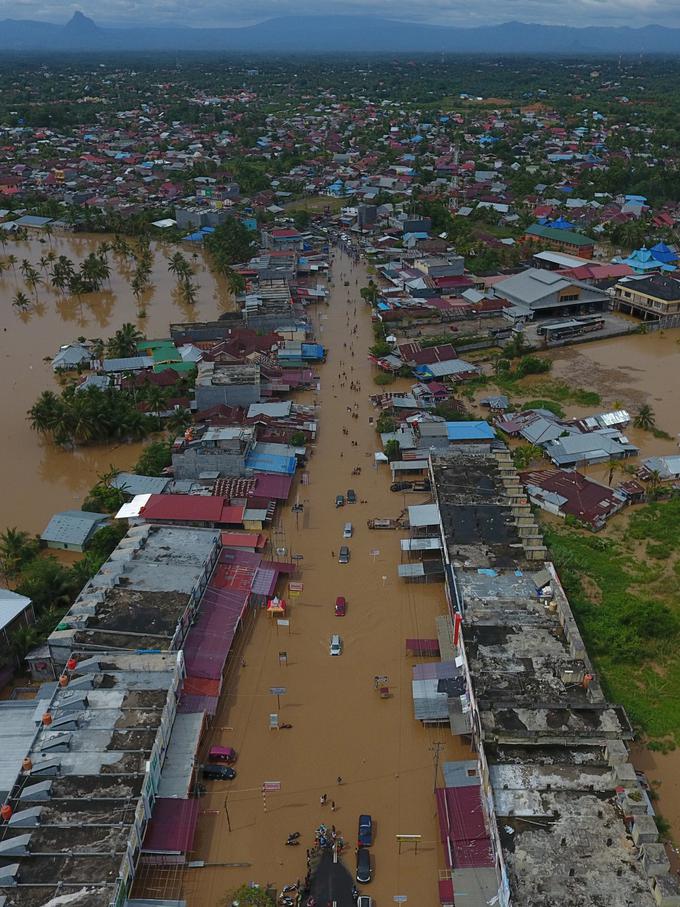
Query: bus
[[573, 327]]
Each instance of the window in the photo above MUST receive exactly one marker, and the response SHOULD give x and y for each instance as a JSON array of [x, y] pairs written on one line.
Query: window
[[569, 297]]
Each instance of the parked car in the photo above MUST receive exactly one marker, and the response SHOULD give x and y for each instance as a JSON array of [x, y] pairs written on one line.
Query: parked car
[[365, 831], [343, 557], [351, 496], [364, 874], [340, 606], [217, 772], [347, 531], [364, 900], [224, 754], [339, 500], [401, 486], [336, 645]]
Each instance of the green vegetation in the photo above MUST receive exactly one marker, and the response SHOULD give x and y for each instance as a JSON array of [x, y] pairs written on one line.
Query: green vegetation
[[385, 423], [249, 896], [526, 454], [383, 378], [229, 244], [550, 405], [50, 585], [90, 416], [626, 599]]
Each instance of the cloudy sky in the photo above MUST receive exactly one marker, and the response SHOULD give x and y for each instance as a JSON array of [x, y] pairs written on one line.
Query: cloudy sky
[[451, 12]]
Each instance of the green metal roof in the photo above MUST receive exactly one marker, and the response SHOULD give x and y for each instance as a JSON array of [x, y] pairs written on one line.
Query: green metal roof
[[563, 236]]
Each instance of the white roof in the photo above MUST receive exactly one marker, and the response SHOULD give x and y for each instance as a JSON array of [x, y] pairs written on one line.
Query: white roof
[[133, 508], [11, 606]]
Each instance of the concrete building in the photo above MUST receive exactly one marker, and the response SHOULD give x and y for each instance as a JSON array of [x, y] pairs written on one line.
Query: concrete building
[[231, 384], [565, 818], [144, 597], [549, 293], [219, 452], [84, 789], [649, 298]]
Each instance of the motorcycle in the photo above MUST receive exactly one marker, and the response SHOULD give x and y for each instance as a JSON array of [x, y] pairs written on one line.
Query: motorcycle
[[292, 843], [285, 726]]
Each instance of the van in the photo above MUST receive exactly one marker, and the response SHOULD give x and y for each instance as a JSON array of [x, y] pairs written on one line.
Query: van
[[226, 754], [336, 645], [217, 772], [343, 557], [347, 531]]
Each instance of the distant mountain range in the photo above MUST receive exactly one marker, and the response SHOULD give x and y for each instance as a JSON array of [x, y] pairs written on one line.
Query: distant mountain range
[[338, 34]]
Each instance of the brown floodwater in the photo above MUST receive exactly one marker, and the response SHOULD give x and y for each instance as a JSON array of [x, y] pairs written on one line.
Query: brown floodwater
[[37, 478], [340, 725], [628, 372]]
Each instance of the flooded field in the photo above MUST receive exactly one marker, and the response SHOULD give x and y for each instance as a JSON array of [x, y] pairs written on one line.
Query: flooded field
[[340, 725], [628, 372], [36, 478]]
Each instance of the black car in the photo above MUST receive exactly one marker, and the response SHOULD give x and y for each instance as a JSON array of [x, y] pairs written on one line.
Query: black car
[[364, 874], [351, 496], [219, 772]]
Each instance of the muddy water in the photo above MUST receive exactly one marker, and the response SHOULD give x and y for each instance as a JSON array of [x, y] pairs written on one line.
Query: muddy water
[[628, 372], [340, 725], [37, 479]]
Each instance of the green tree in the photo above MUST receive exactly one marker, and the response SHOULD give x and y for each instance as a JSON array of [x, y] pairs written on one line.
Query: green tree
[[645, 418], [392, 450], [154, 459], [17, 548], [124, 342], [229, 244]]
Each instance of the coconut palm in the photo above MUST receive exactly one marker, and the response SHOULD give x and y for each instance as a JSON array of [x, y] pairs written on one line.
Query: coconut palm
[[124, 341], [12, 262], [645, 418], [16, 549], [21, 301], [32, 279], [236, 282], [46, 413], [189, 291]]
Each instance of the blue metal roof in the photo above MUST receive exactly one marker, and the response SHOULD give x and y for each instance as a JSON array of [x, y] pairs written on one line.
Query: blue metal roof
[[260, 462], [469, 431]]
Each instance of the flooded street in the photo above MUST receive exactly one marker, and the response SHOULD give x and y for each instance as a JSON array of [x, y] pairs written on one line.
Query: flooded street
[[38, 478], [340, 725]]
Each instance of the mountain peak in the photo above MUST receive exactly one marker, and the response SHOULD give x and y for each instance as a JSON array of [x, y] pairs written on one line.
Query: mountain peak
[[81, 23]]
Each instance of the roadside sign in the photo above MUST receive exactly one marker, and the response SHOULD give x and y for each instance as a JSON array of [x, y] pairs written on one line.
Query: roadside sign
[[400, 898], [375, 552], [297, 557], [296, 587], [281, 622], [271, 785], [277, 691]]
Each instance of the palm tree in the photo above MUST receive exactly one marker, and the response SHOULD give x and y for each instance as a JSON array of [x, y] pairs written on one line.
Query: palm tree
[[236, 282], [16, 549], [179, 420], [46, 413], [33, 281], [124, 341], [21, 301], [645, 418], [12, 262], [189, 290]]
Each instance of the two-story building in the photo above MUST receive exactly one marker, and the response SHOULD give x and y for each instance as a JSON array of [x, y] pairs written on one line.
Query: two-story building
[[650, 297]]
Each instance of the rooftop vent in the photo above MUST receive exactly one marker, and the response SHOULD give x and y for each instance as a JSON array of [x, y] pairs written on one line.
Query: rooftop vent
[[15, 847], [40, 791], [26, 817], [8, 875]]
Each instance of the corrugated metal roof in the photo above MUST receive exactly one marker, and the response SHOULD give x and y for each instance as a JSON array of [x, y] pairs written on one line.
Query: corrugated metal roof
[[179, 758]]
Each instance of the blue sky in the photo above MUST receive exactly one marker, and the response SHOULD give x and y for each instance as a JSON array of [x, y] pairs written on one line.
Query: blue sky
[[445, 12]]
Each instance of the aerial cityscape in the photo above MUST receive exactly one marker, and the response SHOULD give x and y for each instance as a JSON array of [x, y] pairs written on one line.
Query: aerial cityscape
[[340, 522]]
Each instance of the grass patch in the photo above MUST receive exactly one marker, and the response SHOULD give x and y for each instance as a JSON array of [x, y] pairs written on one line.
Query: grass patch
[[550, 405], [628, 608]]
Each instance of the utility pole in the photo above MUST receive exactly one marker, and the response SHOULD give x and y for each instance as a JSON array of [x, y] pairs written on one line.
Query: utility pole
[[435, 749]]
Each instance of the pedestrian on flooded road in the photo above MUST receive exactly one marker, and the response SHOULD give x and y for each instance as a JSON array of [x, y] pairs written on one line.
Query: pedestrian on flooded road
[[333, 556], [324, 797], [332, 806], [339, 779]]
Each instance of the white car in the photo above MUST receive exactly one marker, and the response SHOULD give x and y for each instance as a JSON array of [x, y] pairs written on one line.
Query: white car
[[336, 645], [364, 901], [347, 531]]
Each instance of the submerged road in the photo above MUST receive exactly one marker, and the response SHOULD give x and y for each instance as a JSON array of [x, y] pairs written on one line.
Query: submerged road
[[341, 728]]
